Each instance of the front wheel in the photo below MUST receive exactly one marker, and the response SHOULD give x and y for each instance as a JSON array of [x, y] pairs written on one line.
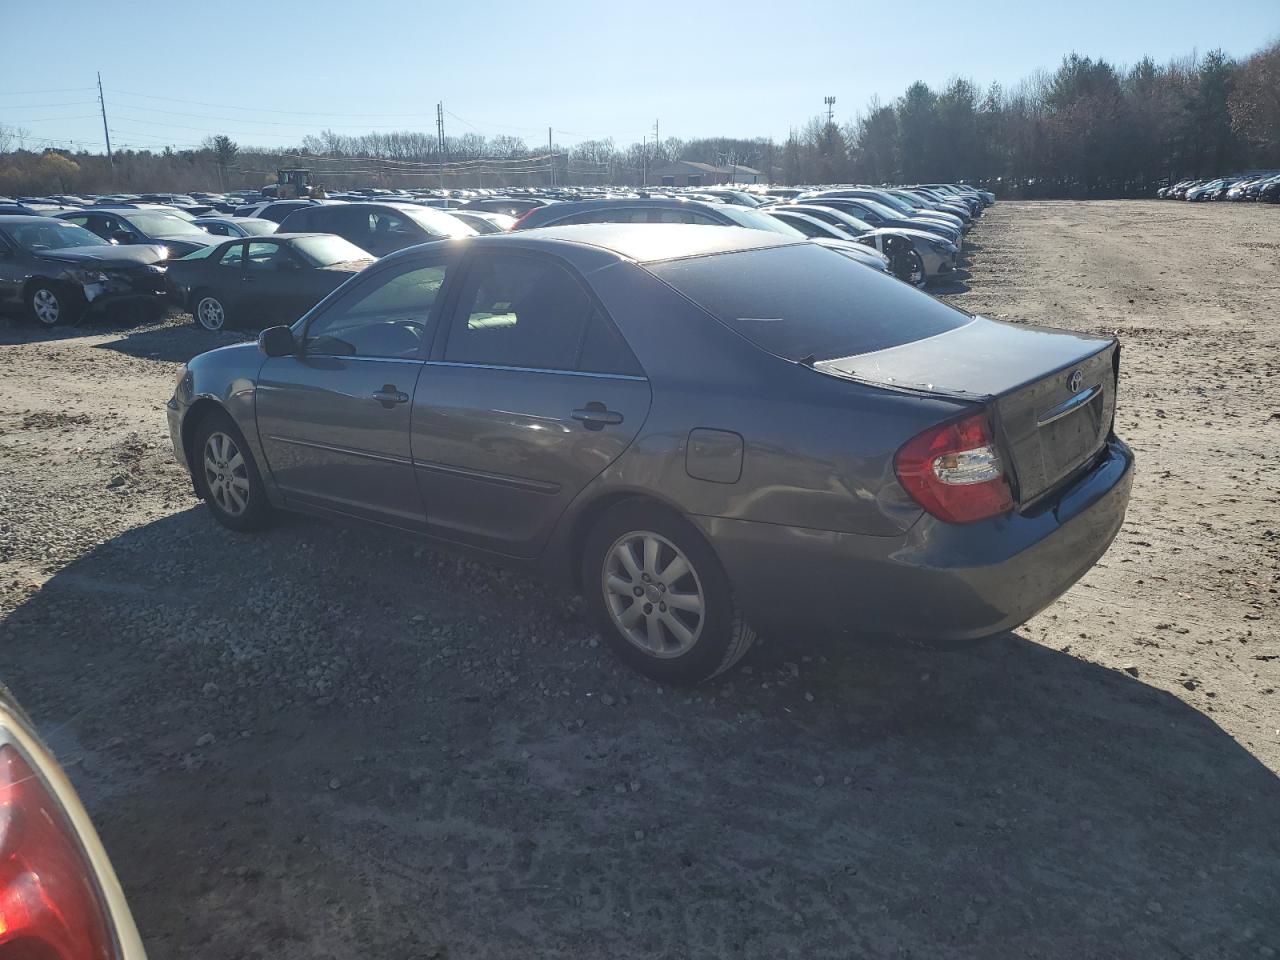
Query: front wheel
[[50, 305], [908, 265], [660, 596], [226, 475]]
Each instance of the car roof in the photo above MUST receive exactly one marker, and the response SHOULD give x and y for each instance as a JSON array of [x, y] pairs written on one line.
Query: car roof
[[26, 218], [645, 242]]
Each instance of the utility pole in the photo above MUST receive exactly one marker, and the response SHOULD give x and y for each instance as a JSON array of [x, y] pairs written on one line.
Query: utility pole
[[440, 140], [551, 156], [644, 160], [105, 132], [831, 103]]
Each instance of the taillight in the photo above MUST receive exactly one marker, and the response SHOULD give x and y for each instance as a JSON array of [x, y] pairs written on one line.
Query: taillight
[[954, 471], [50, 906]]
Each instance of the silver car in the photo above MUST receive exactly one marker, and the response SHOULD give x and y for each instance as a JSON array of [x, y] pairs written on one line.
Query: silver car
[[706, 430]]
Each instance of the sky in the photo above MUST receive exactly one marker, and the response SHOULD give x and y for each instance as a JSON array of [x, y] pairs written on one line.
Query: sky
[[266, 74]]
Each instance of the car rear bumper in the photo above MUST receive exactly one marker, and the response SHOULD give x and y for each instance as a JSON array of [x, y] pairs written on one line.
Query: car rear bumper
[[938, 581]]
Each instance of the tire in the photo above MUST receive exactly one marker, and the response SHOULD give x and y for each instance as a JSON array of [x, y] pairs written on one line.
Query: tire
[[908, 266], [210, 312], [226, 475], [687, 646], [51, 305]]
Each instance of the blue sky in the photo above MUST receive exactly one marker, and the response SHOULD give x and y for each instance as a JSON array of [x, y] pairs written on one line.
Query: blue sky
[[267, 73]]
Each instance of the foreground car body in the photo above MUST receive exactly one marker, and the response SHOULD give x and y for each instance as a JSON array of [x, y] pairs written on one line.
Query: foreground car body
[[900, 468], [59, 897]]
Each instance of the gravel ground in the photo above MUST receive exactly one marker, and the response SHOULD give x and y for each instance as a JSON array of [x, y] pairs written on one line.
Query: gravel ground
[[318, 742]]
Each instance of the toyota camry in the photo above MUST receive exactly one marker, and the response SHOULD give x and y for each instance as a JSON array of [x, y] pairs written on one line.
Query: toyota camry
[[705, 430]]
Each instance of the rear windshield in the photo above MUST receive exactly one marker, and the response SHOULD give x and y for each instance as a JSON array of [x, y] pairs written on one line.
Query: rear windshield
[[325, 250], [804, 301]]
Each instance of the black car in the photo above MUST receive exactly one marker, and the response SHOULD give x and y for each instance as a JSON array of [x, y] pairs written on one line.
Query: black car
[[56, 270], [276, 278], [128, 225], [377, 228], [511, 206]]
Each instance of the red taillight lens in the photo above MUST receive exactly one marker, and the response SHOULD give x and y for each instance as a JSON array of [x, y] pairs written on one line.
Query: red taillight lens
[[954, 471], [523, 217], [50, 906]]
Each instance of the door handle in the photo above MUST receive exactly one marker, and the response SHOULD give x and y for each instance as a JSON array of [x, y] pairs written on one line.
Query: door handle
[[595, 415], [389, 396]]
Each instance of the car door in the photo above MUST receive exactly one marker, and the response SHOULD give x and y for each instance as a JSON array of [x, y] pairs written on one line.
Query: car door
[[530, 394], [334, 419], [271, 282], [14, 270]]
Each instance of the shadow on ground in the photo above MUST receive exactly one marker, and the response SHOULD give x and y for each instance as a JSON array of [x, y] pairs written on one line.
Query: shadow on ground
[[321, 742]]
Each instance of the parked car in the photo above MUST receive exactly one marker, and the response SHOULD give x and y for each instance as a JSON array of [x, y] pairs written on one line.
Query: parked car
[[914, 255], [511, 206], [657, 210], [236, 226], [56, 270], [378, 228], [880, 216], [705, 430], [277, 210], [59, 896], [1269, 190], [126, 225], [897, 206], [268, 279], [482, 221]]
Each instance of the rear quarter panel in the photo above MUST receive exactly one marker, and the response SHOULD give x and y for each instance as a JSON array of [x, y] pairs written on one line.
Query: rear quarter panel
[[818, 451]]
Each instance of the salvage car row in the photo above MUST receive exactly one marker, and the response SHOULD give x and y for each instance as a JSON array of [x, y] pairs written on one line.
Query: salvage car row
[[145, 250], [1259, 187]]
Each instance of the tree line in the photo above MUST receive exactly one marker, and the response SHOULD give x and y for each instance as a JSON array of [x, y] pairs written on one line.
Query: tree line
[[1087, 129]]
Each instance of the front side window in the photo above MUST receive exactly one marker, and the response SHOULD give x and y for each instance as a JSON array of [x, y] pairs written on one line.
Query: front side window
[[232, 255], [386, 317], [521, 312]]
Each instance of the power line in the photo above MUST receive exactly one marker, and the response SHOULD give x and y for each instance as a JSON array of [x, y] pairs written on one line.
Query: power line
[[27, 93]]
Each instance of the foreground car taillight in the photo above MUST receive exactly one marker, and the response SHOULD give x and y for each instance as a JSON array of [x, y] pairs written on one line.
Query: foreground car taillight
[[50, 905], [954, 471]]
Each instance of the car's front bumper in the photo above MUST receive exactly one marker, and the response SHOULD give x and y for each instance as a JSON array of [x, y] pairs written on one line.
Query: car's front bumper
[[938, 581]]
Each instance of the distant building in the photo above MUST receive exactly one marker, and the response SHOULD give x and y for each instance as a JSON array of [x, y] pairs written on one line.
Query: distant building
[[688, 173]]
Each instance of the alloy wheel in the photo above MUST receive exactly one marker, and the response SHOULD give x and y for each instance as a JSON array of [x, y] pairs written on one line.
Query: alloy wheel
[[210, 314], [226, 474], [653, 594]]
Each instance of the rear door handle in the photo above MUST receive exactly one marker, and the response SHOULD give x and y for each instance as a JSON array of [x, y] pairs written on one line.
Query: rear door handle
[[389, 396], [595, 415]]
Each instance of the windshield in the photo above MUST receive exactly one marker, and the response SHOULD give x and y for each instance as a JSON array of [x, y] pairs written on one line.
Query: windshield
[[163, 225], [325, 250], [807, 302], [53, 235], [435, 222], [755, 220], [881, 210]]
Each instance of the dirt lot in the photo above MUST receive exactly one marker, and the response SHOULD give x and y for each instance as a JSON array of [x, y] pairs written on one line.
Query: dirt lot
[[321, 743]]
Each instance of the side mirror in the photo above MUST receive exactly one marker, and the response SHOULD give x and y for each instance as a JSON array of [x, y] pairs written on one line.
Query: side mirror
[[277, 342], [124, 236]]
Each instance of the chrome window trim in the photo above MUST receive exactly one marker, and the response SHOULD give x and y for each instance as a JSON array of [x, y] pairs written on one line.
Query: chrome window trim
[[511, 369]]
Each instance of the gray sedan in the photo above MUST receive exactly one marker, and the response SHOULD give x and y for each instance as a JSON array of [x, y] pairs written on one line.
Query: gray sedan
[[705, 430]]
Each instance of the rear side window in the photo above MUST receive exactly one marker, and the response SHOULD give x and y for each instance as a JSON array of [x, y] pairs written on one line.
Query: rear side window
[[803, 300], [520, 312]]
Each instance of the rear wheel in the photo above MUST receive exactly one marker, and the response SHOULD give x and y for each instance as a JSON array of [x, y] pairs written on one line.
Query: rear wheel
[[226, 475], [210, 312], [660, 596], [50, 304]]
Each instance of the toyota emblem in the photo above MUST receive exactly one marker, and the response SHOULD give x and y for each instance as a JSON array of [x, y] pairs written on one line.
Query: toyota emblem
[[1074, 381]]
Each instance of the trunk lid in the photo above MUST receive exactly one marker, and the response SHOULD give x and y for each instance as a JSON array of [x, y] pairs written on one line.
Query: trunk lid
[[1052, 392]]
